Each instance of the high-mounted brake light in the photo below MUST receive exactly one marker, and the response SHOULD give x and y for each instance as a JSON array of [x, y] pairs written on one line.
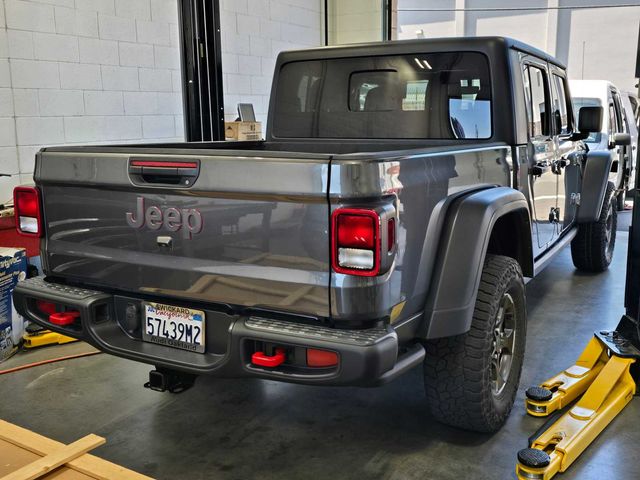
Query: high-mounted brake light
[[356, 242], [26, 202]]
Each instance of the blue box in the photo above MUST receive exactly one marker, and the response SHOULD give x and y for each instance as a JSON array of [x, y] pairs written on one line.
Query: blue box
[[13, 268]]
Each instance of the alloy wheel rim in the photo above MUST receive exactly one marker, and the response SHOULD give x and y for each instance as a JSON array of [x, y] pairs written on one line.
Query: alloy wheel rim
[[504, 336]]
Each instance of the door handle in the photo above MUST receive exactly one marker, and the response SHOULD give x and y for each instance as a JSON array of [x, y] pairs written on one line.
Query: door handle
[[558, 165], [540, 168]]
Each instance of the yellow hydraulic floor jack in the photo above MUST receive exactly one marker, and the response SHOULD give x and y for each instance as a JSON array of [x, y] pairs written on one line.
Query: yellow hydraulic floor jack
[[36, 336], [603, 380]]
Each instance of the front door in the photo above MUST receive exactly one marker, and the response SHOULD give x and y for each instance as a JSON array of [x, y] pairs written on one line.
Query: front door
[[543, 182]]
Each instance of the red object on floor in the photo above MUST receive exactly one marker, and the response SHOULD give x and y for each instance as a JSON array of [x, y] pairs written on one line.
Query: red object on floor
[[9, 238]]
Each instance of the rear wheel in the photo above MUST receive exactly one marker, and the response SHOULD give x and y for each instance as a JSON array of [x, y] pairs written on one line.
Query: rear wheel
[[592, 248], [471, 380], [620, 199]]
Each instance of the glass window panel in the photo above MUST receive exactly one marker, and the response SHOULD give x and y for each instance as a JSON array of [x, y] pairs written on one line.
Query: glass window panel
[[430, 96]]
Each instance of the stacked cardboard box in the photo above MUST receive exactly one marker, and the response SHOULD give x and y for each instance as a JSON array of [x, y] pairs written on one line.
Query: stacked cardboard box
[[13, 267]]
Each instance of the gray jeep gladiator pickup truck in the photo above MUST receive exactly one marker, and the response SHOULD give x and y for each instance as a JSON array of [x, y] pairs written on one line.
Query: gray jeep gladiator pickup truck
[[403, 193]]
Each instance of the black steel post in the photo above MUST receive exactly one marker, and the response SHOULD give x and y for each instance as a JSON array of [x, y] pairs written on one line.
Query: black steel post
[[201, 62], [632, 286]]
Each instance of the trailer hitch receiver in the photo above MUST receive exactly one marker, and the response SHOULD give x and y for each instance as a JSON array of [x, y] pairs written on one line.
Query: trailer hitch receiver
[[165, 380]]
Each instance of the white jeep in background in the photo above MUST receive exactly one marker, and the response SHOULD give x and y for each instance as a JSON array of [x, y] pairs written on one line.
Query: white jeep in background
[[619, 117]]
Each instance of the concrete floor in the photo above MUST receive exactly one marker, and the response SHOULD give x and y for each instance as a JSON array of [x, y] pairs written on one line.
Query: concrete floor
[[239, 429]]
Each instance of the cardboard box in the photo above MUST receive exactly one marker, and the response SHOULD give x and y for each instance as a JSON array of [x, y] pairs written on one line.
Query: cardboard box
[[242, 131], [13, 268]]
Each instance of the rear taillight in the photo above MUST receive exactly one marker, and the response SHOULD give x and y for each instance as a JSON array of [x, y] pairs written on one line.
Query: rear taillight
[[26, 203], [356, 242]]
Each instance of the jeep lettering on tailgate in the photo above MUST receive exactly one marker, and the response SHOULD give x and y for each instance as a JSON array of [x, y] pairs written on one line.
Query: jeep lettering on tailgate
[[189, 220]]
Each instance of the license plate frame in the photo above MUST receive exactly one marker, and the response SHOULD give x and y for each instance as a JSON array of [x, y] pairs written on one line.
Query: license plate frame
[[172, 326]]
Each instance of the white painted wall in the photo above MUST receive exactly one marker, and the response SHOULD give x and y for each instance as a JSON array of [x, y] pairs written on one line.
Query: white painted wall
[[253, 33], [107, 71], [609, 35], [85, 71]]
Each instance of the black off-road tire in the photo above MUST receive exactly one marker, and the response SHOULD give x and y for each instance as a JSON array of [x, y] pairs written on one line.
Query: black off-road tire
[[592, 248], [458, 370], [620, 200]]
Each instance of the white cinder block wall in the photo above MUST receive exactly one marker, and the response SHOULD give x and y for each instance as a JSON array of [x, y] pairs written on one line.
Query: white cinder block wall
[[107, 71], [253, 33], [85, 71]]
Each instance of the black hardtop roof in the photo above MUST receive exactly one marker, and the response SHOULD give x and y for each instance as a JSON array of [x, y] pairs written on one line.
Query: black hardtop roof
[[415, 46]]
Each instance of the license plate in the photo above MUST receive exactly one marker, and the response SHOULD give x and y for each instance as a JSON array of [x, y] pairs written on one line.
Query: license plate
[[176, 327]]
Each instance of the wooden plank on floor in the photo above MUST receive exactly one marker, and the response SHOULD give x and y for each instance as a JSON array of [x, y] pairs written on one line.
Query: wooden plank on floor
[[55, 459], [87, 464], [13, 457]]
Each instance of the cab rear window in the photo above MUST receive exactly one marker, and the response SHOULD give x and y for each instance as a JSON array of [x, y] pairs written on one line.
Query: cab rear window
[[430, 96]]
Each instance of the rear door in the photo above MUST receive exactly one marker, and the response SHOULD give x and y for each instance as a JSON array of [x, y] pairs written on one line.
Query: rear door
[[566, 166], [248, 229], [616, 125], [542, 180]]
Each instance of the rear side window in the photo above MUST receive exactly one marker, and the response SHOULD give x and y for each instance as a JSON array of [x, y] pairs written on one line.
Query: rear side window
[[561, 108], [536, 90], [613, 124], [426, 96], [618, 112]]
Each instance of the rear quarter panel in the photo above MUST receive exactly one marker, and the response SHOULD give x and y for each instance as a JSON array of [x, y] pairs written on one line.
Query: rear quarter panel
[[420, 185]]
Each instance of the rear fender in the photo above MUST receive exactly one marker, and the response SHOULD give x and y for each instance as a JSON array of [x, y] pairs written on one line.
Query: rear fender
[[466, 238]]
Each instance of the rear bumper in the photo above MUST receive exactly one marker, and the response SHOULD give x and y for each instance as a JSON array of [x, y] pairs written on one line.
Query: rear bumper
[[112, 324]]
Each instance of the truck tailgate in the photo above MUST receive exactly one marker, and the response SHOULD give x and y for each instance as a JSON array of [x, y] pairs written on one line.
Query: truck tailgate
[[251, 231]]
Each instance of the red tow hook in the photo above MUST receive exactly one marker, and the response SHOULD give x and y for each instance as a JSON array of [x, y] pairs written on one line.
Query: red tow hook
[[259, 358], [63, 319]]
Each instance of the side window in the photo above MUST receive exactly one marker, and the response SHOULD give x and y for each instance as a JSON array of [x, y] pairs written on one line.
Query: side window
[[613, 125], [561, 108], [619, 112], [537, 97]]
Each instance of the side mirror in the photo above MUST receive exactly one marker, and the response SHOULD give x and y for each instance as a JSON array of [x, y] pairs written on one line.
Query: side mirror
[[621, 139], [590, 119]]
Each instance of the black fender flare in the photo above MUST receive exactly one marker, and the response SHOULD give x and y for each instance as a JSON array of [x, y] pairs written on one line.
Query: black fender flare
[[461, 254], [595, 177]]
